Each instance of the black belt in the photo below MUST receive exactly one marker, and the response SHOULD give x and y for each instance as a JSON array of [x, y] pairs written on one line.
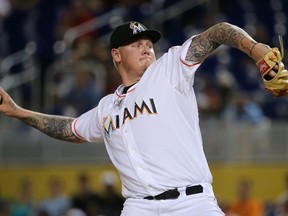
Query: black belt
[[174, 194]]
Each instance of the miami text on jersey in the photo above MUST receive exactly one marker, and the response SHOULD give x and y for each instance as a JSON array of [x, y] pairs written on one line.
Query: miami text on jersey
[[111, 124]]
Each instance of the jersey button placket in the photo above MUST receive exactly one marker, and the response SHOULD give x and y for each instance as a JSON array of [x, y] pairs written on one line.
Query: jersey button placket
[[135, 158]]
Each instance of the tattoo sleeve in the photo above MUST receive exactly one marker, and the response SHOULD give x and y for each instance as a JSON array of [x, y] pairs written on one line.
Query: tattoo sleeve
[[224, 33], [58, 127]]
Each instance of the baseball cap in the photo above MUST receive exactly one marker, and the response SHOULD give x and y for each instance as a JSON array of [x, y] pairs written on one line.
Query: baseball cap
[[132, 30]]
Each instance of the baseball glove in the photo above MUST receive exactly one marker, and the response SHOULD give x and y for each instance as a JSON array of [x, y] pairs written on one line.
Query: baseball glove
[[277, 85]]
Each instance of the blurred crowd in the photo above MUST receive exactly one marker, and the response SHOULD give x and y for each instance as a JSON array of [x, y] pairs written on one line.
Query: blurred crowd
[[85, 201], [75, 68], [246, 204]]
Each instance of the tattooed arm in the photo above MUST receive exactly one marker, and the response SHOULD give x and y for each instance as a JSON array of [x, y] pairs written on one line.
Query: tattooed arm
[[224, 33], [58, 127]]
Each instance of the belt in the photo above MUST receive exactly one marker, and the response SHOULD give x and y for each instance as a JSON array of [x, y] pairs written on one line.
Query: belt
[[174, 194]]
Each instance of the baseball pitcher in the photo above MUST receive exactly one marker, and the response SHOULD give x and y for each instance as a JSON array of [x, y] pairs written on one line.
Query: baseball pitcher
[[150, 124]]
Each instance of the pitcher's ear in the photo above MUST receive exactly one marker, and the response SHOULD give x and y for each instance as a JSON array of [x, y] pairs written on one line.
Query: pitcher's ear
[[115, 55]]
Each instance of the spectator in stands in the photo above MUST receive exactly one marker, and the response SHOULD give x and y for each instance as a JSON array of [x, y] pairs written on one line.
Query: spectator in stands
[[86, 198], [284, 208], [84, 94], [245, 205], [242, 109], [210, 99], [113, 201], [4, 208], [57, 203], [78, 84], [24, 205], [282, 199]]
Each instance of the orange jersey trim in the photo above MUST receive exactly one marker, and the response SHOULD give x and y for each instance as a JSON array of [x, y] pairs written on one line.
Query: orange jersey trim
[[189, 65], [76, 133]]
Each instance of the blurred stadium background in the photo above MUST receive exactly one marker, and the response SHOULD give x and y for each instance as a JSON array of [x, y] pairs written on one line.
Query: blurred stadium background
[[54, 58]]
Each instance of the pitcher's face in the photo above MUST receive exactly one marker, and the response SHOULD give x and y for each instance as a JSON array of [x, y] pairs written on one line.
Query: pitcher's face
[[137, 56]]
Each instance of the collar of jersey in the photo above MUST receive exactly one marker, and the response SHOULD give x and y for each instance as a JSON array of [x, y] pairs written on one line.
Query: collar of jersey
[[119, 90]]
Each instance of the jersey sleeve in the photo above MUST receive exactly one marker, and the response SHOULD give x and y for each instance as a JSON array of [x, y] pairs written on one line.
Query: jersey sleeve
[[87, 126], [183, 52], [179, 72]]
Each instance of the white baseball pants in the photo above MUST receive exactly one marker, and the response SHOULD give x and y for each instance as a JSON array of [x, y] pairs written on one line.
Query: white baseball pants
[[202, 204]]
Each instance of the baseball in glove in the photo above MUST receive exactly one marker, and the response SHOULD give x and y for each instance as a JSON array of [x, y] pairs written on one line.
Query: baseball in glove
[[277, 85]]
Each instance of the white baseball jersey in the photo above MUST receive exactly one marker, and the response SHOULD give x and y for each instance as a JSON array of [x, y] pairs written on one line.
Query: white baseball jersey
[[152, 132]]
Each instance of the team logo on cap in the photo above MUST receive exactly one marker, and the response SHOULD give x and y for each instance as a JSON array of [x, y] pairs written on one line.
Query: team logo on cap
[[136, 27]]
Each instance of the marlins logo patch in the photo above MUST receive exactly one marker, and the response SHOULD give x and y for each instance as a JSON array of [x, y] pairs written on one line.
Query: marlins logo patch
[[136, 27], [108, 126]]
